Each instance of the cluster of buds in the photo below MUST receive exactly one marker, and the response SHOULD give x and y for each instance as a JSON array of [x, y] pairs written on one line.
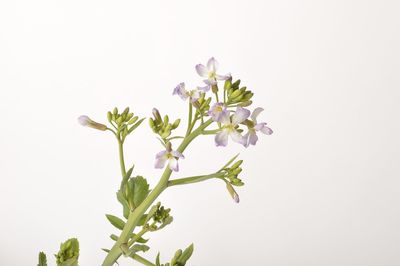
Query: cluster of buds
[[237, 95], [162, 127], [202, 105], [233, 172], [161, 217], [69, 253], [125, 122]]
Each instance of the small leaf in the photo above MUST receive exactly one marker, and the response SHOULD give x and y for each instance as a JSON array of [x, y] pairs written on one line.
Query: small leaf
[[141, 190], [186, 255], [105, 250], [117, 222], [140, 239], [42, 259], [142, 248], [135, 126], [230, 161], [124, 203], [114, 237]]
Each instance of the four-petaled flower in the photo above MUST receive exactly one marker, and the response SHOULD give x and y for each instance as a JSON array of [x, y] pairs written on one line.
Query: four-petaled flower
[[210, 72], [251, 136], [169, 156], [230, 127], [193, 95], [218, 111]]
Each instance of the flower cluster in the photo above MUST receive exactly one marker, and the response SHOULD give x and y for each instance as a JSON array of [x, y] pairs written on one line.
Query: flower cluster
[[229, 114]]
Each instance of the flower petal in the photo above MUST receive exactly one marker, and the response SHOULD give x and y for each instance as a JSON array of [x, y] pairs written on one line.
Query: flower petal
[[237, 137], [223, 77], [84, 120], [212, 64], [202, 70], [255, 113], [195, 95], [266, 130], [181, 91], [253, 138], [240, 115], [221, 139], [161, 154], [177, 154], [160, 162], [205, 88], [210, 81], [173, 164]]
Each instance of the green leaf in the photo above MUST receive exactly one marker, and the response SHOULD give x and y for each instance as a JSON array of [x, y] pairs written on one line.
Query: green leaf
[[114, 237], [140, 239], [228, 163], [135, 126], [138, 247], [117, 222], [124, 203], [186, 255], [42, 259], [141, 190], [105, 250]]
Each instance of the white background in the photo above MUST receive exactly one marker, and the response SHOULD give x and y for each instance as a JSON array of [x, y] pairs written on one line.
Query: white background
[[322, 190]]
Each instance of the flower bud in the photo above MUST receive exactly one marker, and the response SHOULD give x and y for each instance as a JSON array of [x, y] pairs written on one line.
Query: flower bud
[[228, 84], [214, 88], [86, 121], [176, 123], [233, 193], [156, 115]]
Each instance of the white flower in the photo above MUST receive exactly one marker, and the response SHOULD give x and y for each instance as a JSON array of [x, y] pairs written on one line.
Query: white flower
[[229, 127], [210, 72], [251, 136], [169, 156]]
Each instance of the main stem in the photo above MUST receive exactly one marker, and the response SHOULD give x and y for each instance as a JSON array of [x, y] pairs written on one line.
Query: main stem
[[134, 216]]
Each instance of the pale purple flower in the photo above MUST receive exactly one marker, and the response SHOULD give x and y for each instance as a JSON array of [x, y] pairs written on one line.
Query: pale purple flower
[[210, 72], [218, 111], [229, 127], [84, 120], [251, 136], [193, 95], [168, 156]]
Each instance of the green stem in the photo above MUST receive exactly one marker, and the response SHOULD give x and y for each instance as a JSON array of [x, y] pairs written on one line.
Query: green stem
[[141, 260], [135, 216], [193, 179], [137, 236], [189, 119], [121, 158], [211, 132]]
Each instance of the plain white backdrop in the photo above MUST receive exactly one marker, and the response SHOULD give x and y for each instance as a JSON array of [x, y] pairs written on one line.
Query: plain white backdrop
[[324, 189]]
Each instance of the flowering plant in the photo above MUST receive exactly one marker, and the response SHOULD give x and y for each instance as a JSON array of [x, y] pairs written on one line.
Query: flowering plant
[[225, 118]]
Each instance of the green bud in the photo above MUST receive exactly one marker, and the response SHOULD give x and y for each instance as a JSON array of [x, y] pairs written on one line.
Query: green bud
[[247, 103], [237, 164], [235, 94], [129, 116], [68, 253], [236, 84], [214, 88], [119, 120], [176, 123], [151, 123], [134, 119], [126, 111], [247, 96], [115, 111], [166, 119], [228, 84], [232, 192], [109, 116], [178, 253]]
